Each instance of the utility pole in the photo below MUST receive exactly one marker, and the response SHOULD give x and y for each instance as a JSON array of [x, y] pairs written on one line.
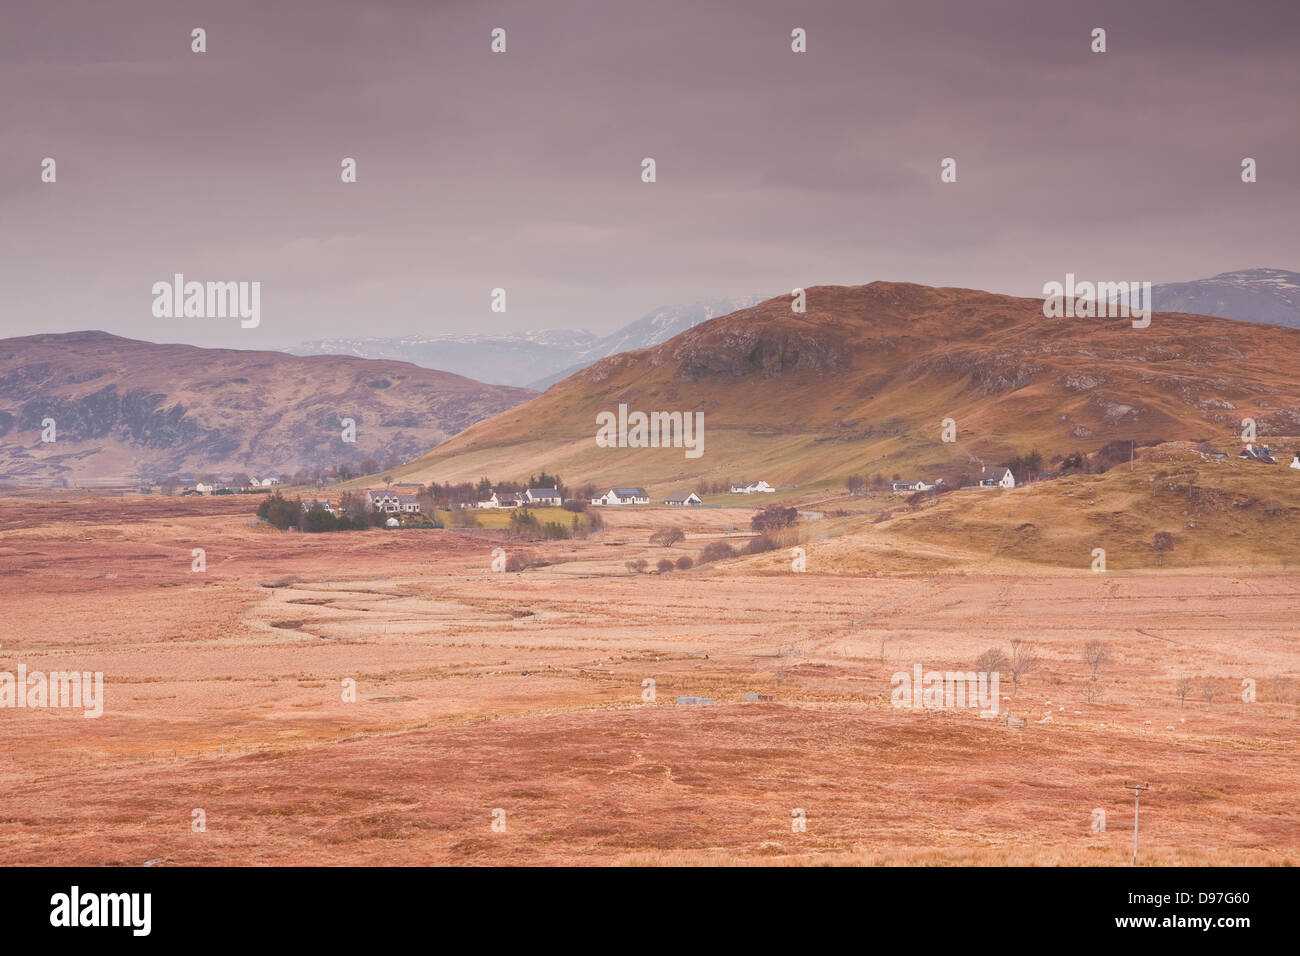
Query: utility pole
[[1132, 453], [1137, 789]]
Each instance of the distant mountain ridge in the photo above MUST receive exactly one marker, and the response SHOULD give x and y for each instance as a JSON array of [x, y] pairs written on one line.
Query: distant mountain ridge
[[1265, 296], [535, 359]]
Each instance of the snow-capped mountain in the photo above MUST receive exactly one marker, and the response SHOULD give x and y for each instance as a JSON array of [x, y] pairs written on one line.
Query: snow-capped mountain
[[1270, 296], [534, 359]]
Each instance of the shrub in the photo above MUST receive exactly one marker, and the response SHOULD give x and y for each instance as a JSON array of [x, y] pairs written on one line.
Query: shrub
[[665, 565], [761, 543], [684, 563], [637, 566], [716, 551], [521, 560]]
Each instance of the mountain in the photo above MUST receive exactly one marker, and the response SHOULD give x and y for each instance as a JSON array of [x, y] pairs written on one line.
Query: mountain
[[530, 359], [126, 410], [497, 359], [1270, 296], [864, 379], [651, 329]]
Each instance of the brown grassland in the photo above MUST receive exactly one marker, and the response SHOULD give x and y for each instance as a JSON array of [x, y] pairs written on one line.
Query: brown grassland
[[523, 692]]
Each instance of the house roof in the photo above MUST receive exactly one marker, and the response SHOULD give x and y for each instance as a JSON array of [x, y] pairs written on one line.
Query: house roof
[[1258, 453], [544, 492], [681, 496], [408, 499], [995, 473], [631, 492]]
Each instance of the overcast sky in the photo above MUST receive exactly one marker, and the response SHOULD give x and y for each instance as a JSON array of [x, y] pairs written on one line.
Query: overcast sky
[[522, 170]]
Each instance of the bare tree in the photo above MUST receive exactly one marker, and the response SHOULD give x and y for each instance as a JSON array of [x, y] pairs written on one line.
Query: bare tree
[[1183, 688], [1095, 654], [992, 661], [1281, 689], [1210, 690], [1023, 659], [1162, 543], [667, 537]]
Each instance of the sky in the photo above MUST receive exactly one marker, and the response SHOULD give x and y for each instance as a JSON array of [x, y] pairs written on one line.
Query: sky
[[522, 170]]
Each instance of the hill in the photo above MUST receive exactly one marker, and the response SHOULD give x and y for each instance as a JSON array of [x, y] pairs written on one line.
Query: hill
[[126, 410], [1219, 512], [864, 379]]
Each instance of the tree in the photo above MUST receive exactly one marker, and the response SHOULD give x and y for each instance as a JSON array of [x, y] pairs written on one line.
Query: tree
[[855, 484], [992, 661], [1210, 690], [1281, 689], [773, 518], [281, 513], [1162, 543], [1095, 654], [317, 518], [667, 537], [1023, 660], [1182, 689]]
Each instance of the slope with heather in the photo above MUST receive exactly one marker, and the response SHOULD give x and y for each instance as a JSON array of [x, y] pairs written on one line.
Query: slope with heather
[[864, 379]]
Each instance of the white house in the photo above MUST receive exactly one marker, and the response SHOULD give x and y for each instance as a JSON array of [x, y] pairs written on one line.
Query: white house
[[323, 505], [683, 499], [544, 496], [751, 487], [408, 504], [385, 501], [1295, 461], [997, 478], [623, 496]]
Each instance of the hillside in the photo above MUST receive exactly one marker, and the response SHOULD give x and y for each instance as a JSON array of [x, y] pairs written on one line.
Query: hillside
[[1220, 512], [127, 410], [863, 380]]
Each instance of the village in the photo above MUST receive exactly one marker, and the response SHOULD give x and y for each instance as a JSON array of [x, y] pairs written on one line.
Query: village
[[403, 505]]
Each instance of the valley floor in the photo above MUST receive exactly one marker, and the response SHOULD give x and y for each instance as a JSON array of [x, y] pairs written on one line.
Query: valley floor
[[487, 697]]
